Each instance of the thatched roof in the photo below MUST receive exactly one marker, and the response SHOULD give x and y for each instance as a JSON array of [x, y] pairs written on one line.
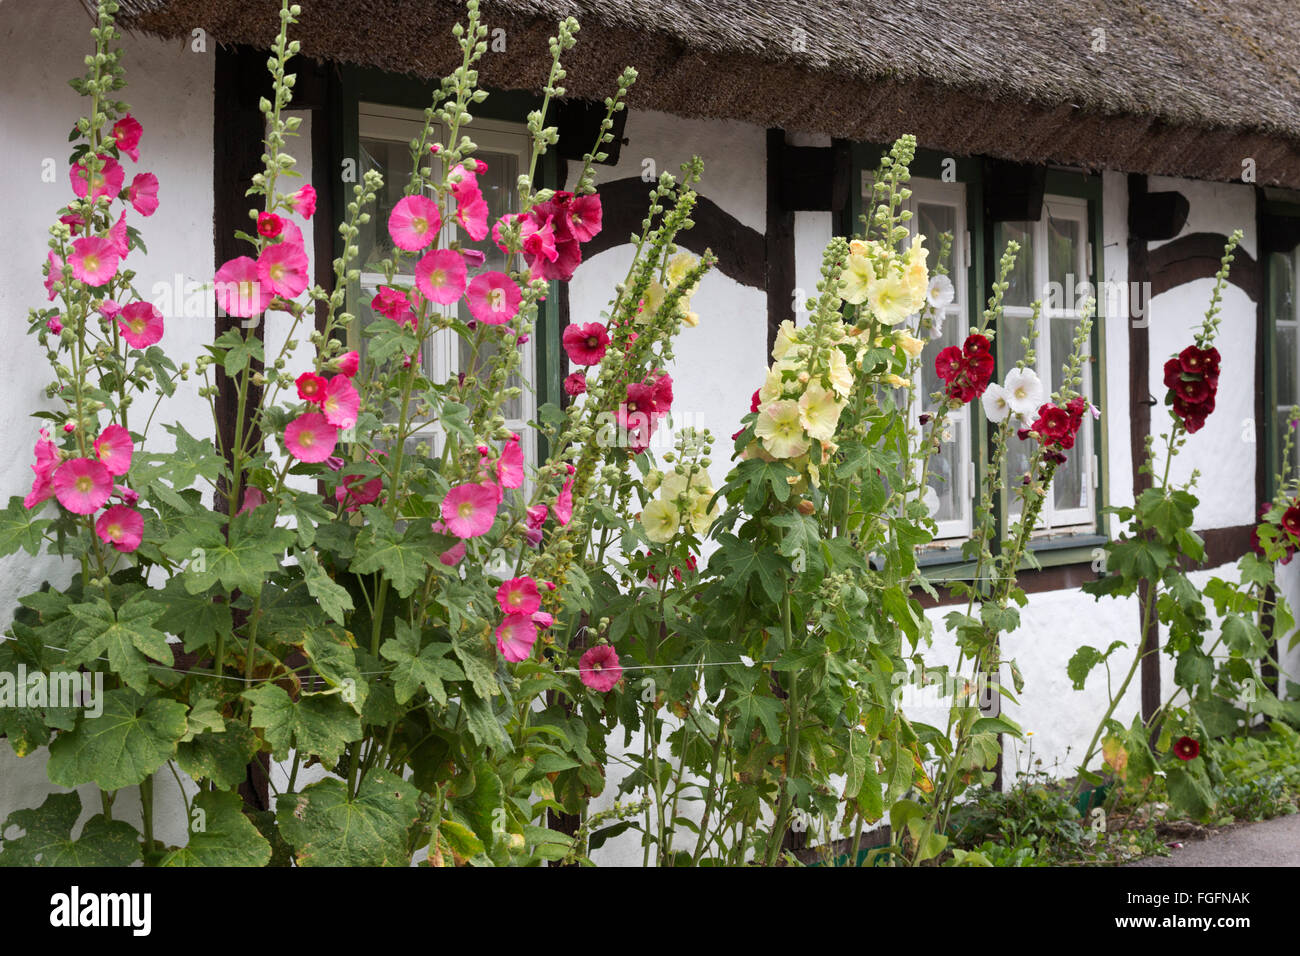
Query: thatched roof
[[1181, 87]]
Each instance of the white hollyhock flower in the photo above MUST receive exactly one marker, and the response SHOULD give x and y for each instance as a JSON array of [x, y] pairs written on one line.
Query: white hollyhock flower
[[940, 292], [931, 500], [936, 326], [1024, 391], [996, 403]]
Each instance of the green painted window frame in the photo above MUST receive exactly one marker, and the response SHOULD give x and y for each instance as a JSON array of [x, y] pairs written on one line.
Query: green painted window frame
[[1069, 548], [1275, 208], [356, 85]]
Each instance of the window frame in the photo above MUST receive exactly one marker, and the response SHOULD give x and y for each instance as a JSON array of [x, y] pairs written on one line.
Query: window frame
[[1276, 208]]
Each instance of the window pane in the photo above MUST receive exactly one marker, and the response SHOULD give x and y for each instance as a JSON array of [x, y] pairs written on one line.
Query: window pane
[[1281, 287], [1284, 357], [947, 472], [1071, 485], [1063, 257], [393, 161], [1020, 288], [932, 220]]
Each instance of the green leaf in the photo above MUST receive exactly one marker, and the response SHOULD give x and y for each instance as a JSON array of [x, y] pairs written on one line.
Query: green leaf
[[193, 459], [20, 528], [254, 551], [751, 707], [47, 840], [126, 635], [316, 724], [416, 667], [308, 512], [462, 840], [1243, 636], [328, 828], [226, 837], [333, 657], [397, 556], [239, 351], [132, 738], [477, 661], [483, 723], [196, 618], [220, 756], [1189, 793], [334, 599]]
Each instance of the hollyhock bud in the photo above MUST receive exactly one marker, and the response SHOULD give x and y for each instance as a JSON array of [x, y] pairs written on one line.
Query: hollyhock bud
[[269, 224]]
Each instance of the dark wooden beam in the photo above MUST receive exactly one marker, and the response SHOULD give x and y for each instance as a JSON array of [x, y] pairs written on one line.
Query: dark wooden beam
[[1196, 256], [779, 241]]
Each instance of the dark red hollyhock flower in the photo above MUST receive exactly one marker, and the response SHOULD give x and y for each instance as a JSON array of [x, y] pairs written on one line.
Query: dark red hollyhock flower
[[1075, 407], [1173, 372], [1053, 423], [1192, 415], [1192, 390], [753, 402], [976, 344], [1194, 360], [1291, 521], [663, 392], [1185, 748], [948, 364]]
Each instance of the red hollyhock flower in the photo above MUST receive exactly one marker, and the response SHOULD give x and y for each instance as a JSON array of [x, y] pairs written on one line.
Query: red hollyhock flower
[[663, 392], [269, 224], [1185, 748], [1076, 407], [1194, 360], [1053, 423], [947, 364], [753, 402], [1173, 372], [585, 344], [1291, 520], [976, 344], [1192, 390]]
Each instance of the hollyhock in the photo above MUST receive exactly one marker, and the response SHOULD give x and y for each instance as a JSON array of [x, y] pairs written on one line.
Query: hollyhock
[[440, 276], [516, 636], [122, 527], [356, 490], [414, 222], [585, 217], [311, 387], [239, 290], [473, 258], [114, 448], [493, 298], [997, 405], [510, 466], [47, 459], [109, 309], [519, 596], [1053, 424], [663, 392], [1291, 521], [144, 194], [599, 668], [108, 178], [253, 499], [127, 132], [1186, 748], [53, 274], [82, 485], [269, 224], [73, 220], [637, 412], [310, 437], [948, 363], [453, 555], [394, 304], [117, 235], [94, 260], [141, 324], [470, 509], [54, 324], [819, 412], [342, 402], [472, 215], [1023, 390], [348, 363], [130, 497], [585, 344], [940, 292], [283, 268], [575, 384], [568, 251], [780, 431], [303, 201], [536, 519], [563, 508], [463, 179]]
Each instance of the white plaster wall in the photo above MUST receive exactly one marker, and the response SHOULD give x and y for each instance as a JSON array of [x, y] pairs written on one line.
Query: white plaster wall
[[1116, 402], [170, 93]]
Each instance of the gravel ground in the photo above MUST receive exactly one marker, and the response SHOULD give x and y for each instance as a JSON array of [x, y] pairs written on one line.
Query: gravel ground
[[1273, 842]]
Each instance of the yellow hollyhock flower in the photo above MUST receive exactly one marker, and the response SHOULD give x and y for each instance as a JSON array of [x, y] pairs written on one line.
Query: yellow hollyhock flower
[[918, 277], [691, 318], [650, 302], [780, 431], [841, 375], [891, 298], [700, 515], [660, 520], [910, 344], [786, 337], [678, 266], [856, 279], [897, 381], [819, 412]]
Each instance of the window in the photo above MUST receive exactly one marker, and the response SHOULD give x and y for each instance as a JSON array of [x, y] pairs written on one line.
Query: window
[[1284, 315], [1053, 266], [384, 136]]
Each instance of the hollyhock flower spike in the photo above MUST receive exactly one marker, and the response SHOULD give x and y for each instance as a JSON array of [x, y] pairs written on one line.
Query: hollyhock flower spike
[[310, 437], [599, 668], [114, 448], [141, 324], [122, 527], [414, 222], [108, 179], [83, 485], [143, 194]]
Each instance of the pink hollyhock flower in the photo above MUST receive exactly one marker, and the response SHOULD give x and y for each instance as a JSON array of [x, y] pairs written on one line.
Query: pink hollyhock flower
[[122, 527], [510, 466], [54, 324], [128, 496], [638, 407], [585, 217], [536, 237], [575, 384], [269, 224], [283, 267], [342, 402], [463, 180], [290, 233], [599, 668], [453, 555], [94, 260], [109, 309], [311, 387], [568, 251], [126, 132], [144, 194], [536, 515], [73, 220], [239, 290], [473, 258], [108, 178], [357, 491], [117, 235], [304, 201], [47, 459], [516, 636], [564, 504], [141, 324], [519, 596], [394, 304], [253, 499], [114, 448], [310, 437], [334, 463], [53, 273], [663, 392], [473, 216], [493, 298], [542, 619], [440, 276], [585, 344], [348, 363], [414, 222], [469, 510], [69, 427], [82, 485]]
